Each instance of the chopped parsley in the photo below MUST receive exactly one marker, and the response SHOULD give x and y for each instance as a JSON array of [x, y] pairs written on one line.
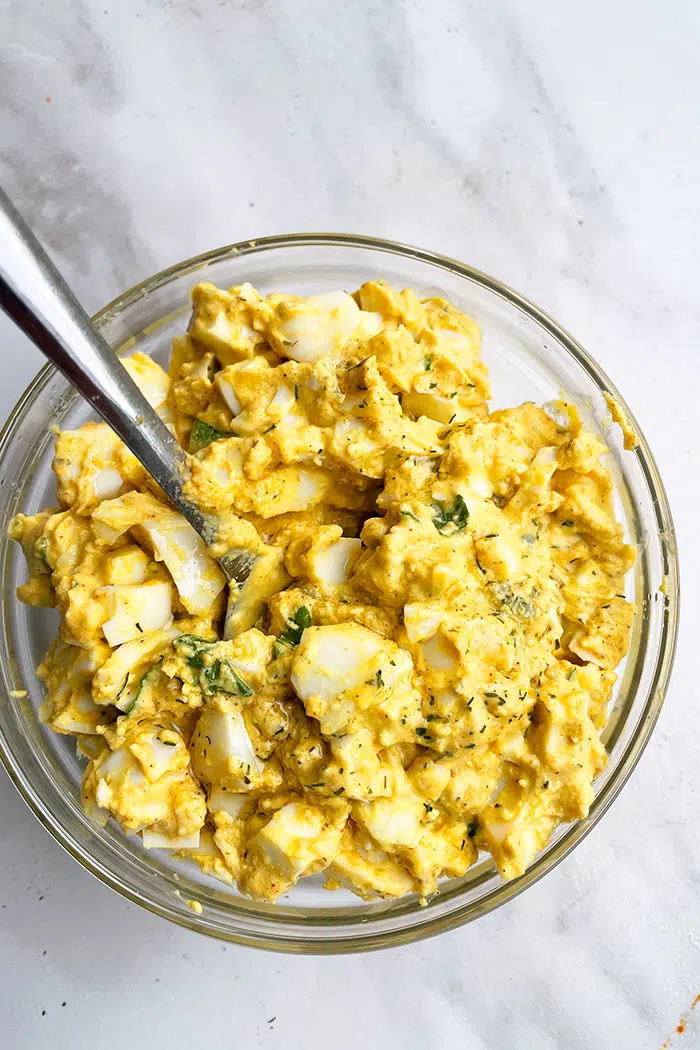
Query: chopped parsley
[[218, 676], [222, 677], [290, 638], [449, 520], [202, 434], [41, 548], [521, 608]]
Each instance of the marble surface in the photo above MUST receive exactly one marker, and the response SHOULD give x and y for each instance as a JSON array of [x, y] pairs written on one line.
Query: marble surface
[[552, 144]]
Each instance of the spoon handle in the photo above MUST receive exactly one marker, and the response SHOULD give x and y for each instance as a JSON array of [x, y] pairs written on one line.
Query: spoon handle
[[36, 297]]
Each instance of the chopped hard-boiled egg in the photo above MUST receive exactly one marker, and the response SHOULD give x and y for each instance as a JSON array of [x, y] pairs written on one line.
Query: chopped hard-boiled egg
[[117, 680], [331, 564], [266, 576], [150, 378], [127, 566], [136, 610], [333, 660], [92, 465], [222, 752], [316, 327], [392, 822], [144, 789], [196, 575], [156, 840], [300, 838]]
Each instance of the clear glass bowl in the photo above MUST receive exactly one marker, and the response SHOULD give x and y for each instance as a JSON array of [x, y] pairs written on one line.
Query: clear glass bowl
[[530, 358]]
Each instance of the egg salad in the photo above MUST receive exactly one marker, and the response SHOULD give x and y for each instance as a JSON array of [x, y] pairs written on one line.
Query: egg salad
[[416, 663]]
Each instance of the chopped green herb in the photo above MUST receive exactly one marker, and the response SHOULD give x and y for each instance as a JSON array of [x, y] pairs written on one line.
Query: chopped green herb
[[291, 637], [449, 520], [191, 648], [518, 606], [472, 828], [568, 523], [222, 677], [41, 548], [219, 676], [202, 434], [339, 791], [428, 362], [380, 680], [408, 514]]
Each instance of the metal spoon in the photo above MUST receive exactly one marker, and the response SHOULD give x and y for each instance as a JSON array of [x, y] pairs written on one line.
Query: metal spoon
[[36, 297]]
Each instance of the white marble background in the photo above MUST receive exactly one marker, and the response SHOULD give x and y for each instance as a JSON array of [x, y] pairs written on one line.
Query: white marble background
[[553, 144]]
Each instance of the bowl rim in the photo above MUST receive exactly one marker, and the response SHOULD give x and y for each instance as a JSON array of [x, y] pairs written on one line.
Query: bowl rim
[[656, 692]]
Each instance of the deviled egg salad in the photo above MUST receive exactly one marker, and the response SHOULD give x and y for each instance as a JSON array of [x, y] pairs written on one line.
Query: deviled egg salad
[[418, 664]]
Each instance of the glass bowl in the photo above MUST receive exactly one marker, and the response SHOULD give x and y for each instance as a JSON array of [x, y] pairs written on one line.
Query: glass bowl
[[530, 358]]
